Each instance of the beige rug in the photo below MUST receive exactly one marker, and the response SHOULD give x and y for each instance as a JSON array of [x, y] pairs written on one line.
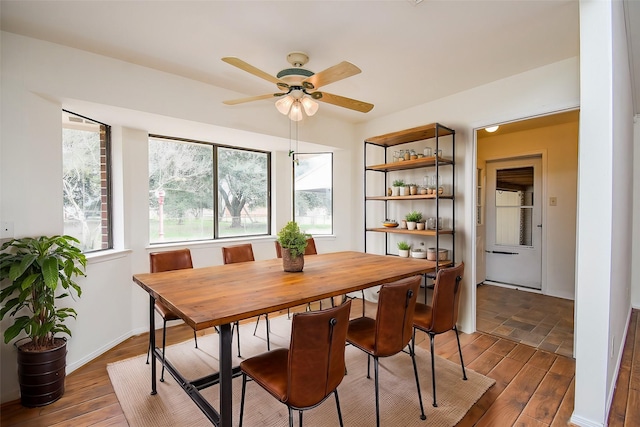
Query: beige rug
[[131, 380]]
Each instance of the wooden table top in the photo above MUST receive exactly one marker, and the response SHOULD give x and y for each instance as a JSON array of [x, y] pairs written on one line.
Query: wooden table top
[[211, 296]]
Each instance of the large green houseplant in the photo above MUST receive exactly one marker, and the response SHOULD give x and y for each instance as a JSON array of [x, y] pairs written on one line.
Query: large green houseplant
[[293, 242], [34, 274]]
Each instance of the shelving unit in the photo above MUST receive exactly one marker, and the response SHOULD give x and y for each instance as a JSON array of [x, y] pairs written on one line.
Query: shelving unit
[[380, 148]]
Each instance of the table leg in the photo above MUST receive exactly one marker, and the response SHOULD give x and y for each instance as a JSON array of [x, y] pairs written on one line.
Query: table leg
[[226, 376], [152, 341]]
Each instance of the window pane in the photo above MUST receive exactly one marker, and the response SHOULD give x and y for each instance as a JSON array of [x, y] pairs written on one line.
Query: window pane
[[85, 146], [313, 192], [243, 192], [180, 191]]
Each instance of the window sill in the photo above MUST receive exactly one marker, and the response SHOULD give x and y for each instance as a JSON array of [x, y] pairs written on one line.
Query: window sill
[[105, 256]]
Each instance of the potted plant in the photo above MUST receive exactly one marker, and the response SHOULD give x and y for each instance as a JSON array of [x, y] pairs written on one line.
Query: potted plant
[[293, 242], [31, 271], [397, 184], [403, 249], [412, 218]]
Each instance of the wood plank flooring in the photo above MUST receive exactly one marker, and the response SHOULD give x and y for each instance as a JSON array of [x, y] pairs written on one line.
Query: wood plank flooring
[[533, 387]]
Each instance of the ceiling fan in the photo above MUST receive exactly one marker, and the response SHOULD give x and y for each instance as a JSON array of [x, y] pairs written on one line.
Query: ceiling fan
[[299, 86]]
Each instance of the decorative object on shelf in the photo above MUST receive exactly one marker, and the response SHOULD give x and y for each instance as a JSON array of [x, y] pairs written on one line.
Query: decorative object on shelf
[[293, 242], [405, 191], [412, 155], [427, 151], [423, 191], [412, 218], [35, 269], [407, 155], [420, 225], [418, 253], [431, 223], [403, 249], [391, 223], [397, 185], [403, 223], [442, 254], [413, 189]]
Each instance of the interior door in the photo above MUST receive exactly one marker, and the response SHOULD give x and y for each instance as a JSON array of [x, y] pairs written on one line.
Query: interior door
[[514, 222]]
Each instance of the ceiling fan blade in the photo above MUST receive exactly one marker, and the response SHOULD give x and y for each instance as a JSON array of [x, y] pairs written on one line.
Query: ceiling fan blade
[[252, 98], [330, 75], [237, 62], [341, 101]]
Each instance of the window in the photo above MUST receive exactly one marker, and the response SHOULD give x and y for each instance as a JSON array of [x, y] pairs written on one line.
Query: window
[[200, 191], [86, 181], [313, 187]]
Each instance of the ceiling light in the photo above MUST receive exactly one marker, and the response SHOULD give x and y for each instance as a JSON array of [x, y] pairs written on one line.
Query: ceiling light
[[293, 105], [491, 128]]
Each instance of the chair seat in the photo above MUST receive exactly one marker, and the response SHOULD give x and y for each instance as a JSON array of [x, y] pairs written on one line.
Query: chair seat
[[165, 312], [423, 317], [270, 371], [361, 333]]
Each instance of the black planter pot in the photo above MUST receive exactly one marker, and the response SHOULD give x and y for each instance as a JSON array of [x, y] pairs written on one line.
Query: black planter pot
[[41, 375]]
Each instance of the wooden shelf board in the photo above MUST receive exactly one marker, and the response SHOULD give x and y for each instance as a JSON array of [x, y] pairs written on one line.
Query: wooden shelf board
[[405, 231], [414, 197], [410, 164], [410, 135]]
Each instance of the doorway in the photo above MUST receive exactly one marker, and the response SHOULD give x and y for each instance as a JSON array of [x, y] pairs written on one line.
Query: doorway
[[528, 170], [514, 222]]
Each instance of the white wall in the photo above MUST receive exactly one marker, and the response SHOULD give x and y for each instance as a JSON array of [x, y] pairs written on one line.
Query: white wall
[[604, 219], [559, 144], [40, 78], [546, 89], [635, 277]]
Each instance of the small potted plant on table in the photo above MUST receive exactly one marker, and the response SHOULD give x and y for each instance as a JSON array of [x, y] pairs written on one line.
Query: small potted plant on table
[[293, 242], [35, 269]]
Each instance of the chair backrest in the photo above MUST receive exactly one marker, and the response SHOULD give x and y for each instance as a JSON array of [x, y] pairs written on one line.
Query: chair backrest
[[171, 260], [309, 250], [237, 253], [394, 320], [316, 354], [446, 297]]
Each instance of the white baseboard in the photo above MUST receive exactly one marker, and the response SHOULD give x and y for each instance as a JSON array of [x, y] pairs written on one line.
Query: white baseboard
[[89, 357], [584, 422], [508, 286]]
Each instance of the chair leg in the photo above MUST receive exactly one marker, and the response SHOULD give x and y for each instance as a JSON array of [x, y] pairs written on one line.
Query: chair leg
[[363, 303], [256, 328], [464, 374], [415, 371], [335, 392], [290, 417], [148, 350], [195, 337], [368, 365], [244, 388], [433, 371], [375, 360], [300, 417], [164, 341]]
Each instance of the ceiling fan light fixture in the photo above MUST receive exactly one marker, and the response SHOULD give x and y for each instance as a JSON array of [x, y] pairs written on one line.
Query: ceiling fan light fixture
[[310, 106], [296, 111], [284, 104], [491, 129]]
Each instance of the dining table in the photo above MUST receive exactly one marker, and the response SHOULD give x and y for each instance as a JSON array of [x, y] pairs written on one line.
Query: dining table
[[218, 296]]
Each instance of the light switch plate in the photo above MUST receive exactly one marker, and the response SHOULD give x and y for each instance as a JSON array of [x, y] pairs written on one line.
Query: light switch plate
[[553, 201]]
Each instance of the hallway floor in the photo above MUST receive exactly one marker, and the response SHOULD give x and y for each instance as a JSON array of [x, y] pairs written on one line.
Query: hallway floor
[[525, 317]]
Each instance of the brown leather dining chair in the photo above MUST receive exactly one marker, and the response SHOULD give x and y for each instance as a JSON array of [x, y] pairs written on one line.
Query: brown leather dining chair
[[166, 261], [310, 370], [390, 332], [441, 316], [243, 253]]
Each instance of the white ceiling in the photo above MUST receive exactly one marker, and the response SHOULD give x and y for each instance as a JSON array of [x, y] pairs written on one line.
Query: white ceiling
[[409, 54]]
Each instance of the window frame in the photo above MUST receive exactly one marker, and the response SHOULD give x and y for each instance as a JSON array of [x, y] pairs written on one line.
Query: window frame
[[293, 195], [107, 188], [215, 157]]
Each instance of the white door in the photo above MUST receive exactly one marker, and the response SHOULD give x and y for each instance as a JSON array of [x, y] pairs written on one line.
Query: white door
[[514, 222]]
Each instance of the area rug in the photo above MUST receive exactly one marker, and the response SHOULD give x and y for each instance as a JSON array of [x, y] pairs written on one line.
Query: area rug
[[131, 380]]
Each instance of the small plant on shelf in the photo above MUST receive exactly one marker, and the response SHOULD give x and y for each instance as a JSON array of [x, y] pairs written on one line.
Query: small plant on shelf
[[399, 183], [414, 216], [404, 246]]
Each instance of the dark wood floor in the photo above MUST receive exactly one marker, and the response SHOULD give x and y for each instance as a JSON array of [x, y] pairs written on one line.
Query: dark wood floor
[[533, 387]]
